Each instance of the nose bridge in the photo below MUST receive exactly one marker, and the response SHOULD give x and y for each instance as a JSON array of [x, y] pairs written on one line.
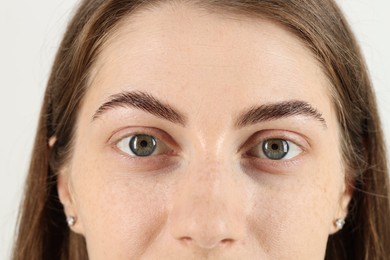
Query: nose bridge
[[208, 208], [207, 188], [210, 135]]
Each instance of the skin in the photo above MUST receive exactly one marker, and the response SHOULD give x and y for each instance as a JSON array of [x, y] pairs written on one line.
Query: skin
[[205, 194]]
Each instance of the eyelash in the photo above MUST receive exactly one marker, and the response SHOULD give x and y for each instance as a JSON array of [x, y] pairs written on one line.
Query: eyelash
[[161, 137], [273, 166], [121, 144], [256, 140], [292, 147]]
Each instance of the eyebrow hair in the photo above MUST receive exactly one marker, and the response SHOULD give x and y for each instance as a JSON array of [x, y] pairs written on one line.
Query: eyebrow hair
[[256, 114], [142, 101], [274, 111]]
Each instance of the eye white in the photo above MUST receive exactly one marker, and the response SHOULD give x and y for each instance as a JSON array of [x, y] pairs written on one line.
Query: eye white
[[124, 146], [293, 150]]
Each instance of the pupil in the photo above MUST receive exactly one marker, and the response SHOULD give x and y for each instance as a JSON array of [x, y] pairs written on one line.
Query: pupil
[[275, 147], [144, 143]]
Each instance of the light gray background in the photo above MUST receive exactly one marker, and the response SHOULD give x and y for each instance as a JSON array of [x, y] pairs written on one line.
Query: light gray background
[[30, 32]]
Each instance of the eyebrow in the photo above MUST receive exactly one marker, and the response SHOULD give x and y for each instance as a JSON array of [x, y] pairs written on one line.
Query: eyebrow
[[256, 114], [274, 111], [143, 101]]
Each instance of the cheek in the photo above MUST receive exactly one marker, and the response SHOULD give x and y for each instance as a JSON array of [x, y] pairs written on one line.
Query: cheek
[[292, 215], [134, 208]]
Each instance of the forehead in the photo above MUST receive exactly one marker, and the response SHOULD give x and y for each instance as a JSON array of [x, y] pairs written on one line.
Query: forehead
[[198, 59]]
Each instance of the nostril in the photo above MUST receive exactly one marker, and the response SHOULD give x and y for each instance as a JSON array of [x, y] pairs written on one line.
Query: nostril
[[227, 241], [186, 240]]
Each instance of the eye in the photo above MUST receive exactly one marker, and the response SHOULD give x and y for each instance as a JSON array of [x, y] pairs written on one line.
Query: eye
[[141, 145], [276, 149]]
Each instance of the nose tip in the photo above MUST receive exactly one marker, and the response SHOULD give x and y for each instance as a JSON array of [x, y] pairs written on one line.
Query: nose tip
[[207, 220]]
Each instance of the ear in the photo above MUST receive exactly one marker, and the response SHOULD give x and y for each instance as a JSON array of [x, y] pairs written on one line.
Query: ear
[[66, 199], [52, 141], [344, 199]]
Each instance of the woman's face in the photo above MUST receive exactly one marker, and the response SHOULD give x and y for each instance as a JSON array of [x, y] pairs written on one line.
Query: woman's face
[[205, 136]]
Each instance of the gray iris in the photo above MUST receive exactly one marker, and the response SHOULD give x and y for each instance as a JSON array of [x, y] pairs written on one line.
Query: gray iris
[[142, 145], [275, 149]]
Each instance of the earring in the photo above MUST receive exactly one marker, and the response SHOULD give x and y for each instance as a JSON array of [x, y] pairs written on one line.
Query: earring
[[70, 220], [339, 223]]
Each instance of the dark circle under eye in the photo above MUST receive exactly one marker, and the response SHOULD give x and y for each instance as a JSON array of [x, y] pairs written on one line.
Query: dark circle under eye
[[142, 145], [275, 149]]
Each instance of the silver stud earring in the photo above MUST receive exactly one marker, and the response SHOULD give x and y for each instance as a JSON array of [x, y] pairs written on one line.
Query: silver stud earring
[[340, 223], [70, 220]]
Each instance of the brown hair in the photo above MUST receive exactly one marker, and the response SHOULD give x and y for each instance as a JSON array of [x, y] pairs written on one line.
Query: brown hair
[[42, 230]]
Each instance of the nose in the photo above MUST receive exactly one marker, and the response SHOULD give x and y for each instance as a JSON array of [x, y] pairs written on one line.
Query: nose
[[209, 208]]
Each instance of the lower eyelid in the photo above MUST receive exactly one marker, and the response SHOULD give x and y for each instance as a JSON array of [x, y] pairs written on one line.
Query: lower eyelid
[[271, 166], [154, 164]]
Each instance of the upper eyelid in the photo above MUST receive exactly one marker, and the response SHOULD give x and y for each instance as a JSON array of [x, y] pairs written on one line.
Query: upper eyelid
[[255, 139], [262, 135], [159, 134], [124, 133]]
